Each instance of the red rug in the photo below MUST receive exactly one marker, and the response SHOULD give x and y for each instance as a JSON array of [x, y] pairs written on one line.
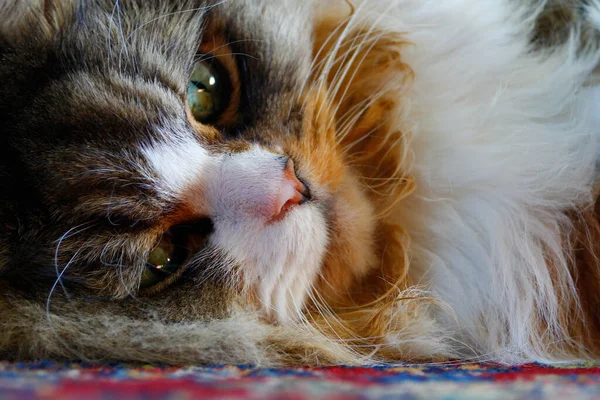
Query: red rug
[[47, 380]]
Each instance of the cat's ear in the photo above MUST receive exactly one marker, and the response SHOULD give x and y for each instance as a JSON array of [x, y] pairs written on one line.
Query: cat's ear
[[37, 20]]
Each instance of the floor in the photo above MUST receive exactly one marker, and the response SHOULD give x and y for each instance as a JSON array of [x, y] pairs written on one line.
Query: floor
[[47, 380]]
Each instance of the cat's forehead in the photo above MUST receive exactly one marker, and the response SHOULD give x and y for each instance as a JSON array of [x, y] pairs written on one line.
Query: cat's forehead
[[124, 66], [271, 38]]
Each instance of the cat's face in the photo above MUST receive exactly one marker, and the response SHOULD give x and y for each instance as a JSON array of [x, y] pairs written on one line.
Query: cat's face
[[181, 156]]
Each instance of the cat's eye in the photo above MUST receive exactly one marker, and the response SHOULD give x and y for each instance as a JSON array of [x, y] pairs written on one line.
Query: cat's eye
[[166, 261], [208, 91]]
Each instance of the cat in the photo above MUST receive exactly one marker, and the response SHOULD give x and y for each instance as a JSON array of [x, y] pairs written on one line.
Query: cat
[[294, 182]]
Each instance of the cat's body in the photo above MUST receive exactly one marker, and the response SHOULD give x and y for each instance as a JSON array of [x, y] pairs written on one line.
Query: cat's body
[[391, 180]]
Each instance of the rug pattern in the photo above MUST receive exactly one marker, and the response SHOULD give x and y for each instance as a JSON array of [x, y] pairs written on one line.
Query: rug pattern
[[47, 380]]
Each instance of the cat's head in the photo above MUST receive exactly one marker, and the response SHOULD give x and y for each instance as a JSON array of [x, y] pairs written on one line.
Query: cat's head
[[188, 155]]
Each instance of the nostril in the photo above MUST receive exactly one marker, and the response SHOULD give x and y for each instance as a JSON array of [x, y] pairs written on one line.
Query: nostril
[[291, 193], [289, 173], [306, 191], [301, 186], [256, 185]]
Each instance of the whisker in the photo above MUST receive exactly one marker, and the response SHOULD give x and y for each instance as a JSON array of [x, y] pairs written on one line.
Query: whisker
[[206, 57], [166, 15], [315, 64], [122, 34], [49, 298], [233, 42], [67, 235]]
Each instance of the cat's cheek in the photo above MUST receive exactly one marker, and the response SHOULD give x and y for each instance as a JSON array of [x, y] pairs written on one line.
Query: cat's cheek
[[352, 251], [277, 263]]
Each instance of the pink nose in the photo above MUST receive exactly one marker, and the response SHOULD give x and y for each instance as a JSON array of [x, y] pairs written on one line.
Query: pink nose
[[291, 193]]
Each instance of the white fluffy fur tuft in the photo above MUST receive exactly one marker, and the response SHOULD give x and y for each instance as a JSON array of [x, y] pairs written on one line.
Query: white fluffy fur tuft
[[503, 143]]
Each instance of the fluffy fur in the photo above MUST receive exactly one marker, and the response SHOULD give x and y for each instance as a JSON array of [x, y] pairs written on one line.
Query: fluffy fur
[[503, 147], [451, 149]]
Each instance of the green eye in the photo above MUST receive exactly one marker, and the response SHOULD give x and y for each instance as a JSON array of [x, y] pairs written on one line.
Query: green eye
[[207, 91], [166, 261]]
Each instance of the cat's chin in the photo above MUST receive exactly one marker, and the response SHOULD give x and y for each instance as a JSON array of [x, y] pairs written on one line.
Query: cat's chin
[[277, 263]]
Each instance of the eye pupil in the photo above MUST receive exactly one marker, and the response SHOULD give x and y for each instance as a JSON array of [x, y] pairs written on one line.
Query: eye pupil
[[198, 85]]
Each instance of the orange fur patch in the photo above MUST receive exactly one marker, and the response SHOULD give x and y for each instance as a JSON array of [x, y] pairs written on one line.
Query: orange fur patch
[[361, 285], [582, 319]]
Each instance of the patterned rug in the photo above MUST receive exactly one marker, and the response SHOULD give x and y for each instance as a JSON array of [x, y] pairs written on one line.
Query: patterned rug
[[46, 380]]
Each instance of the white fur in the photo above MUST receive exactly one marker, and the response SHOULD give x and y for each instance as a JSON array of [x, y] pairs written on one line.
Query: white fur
[[503, 143], [280, 260], [247, 185], [179, 160]]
